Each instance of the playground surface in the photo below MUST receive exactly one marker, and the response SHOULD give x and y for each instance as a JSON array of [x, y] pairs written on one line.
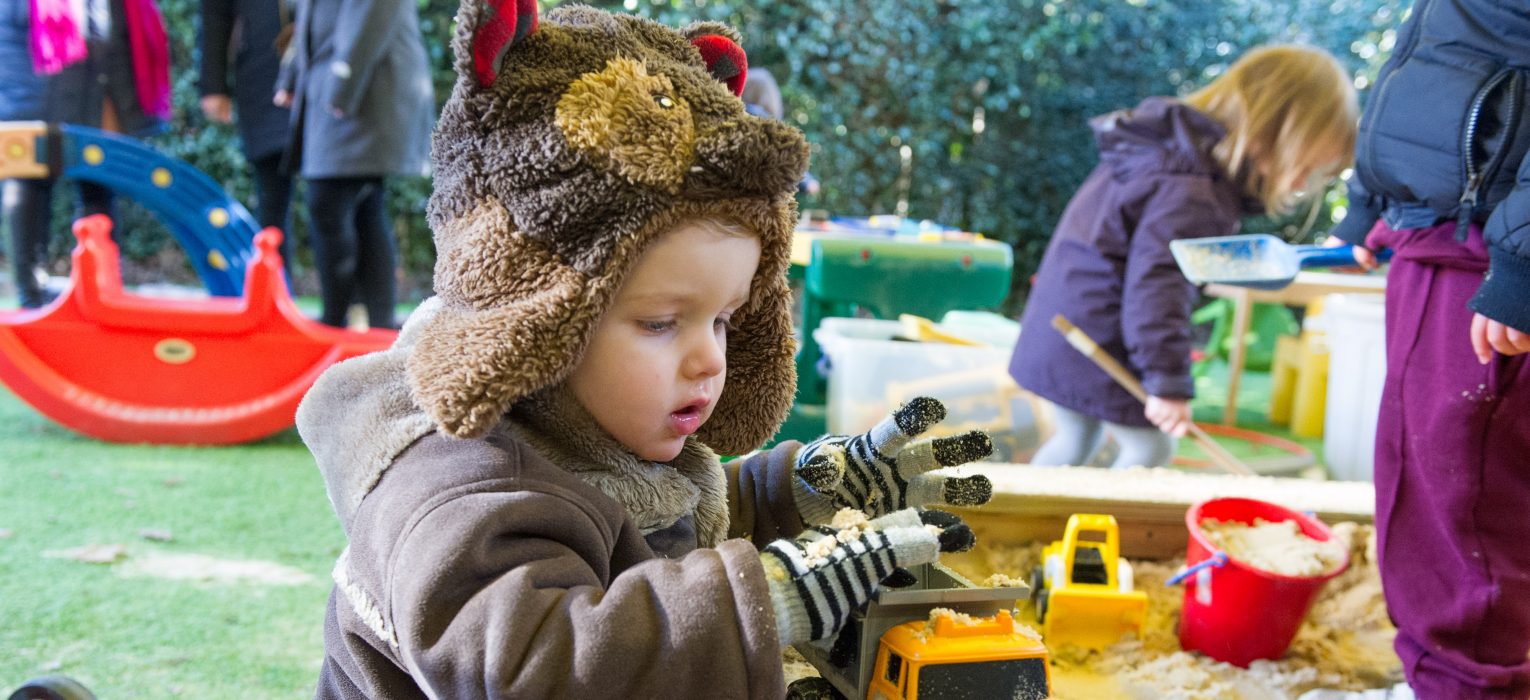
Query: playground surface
[[157, 572]]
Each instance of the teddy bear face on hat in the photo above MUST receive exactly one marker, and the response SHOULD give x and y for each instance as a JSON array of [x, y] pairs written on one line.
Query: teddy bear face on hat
[[568, 145]]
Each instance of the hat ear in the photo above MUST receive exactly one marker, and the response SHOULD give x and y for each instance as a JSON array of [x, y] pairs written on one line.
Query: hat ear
[[486, 29], [513, 318], [725, 60]]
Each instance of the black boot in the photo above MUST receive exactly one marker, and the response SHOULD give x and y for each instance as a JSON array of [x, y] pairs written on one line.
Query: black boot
[[28, 210]]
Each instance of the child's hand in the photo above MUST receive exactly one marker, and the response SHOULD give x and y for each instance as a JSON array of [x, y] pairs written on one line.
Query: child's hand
[[1169, 415], [1364, 257], [881, 471], [1489, 335], [819, 578]]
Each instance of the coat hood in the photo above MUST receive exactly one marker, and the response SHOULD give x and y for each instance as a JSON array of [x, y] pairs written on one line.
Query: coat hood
[[1160, 135]]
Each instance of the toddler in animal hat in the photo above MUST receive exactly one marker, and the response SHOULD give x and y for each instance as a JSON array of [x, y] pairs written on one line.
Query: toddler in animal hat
[[529, 478]]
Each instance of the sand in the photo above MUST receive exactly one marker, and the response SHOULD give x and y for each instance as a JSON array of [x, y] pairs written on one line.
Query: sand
[[1276, 547], [1346, 641]]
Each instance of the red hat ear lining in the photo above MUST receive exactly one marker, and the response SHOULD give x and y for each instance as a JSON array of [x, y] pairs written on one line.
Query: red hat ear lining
[[725, 60], [508, 22]]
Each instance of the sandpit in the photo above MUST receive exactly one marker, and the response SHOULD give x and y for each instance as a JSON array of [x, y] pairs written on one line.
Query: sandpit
[[1346, 641]]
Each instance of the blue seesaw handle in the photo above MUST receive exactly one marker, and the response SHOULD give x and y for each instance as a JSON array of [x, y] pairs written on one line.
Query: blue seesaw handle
[[1337, 256]]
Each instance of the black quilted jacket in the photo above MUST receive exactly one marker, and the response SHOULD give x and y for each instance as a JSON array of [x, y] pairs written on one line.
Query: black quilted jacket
[[1444, 137]]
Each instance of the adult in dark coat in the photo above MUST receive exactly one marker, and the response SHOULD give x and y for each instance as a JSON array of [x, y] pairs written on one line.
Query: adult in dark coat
[[1442, 179], [1108, 268], [239, 39], [98, 90], [362, 103], [23, 92]]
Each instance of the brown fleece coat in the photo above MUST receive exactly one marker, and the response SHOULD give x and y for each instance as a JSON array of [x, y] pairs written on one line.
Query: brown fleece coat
[[541, 560], [501, 544]]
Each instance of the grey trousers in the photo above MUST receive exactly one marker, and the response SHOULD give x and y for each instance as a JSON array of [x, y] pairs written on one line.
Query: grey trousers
[[1078, 440]]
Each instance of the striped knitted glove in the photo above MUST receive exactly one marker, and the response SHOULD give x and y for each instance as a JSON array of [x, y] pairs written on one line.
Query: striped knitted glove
[[819, 578], [882, 471]]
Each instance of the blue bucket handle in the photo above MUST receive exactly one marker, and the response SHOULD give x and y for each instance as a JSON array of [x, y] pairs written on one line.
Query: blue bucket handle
[[1218, 559]]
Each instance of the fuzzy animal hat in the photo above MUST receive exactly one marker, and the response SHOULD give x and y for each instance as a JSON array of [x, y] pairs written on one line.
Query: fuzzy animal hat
[[566, 148]]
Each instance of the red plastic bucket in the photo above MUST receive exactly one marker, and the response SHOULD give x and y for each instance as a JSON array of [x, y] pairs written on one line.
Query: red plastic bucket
[[1232, 611]]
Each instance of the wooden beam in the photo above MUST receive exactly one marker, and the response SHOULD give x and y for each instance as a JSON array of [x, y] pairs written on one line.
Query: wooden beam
[[1033, 503]]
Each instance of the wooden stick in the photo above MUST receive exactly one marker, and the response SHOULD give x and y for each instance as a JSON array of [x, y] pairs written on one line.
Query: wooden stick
[[1086, 345]]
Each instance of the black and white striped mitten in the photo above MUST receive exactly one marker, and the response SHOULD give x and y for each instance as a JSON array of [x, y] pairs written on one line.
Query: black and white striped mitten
[[819, 578], [882, 470]]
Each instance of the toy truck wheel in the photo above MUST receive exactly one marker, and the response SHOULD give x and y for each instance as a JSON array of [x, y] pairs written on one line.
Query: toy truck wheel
[[52, 688], [812, 689], [1039, 593]]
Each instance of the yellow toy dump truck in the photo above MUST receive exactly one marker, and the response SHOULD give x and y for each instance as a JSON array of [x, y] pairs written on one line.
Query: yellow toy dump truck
[[1083, 589], [897, 649]]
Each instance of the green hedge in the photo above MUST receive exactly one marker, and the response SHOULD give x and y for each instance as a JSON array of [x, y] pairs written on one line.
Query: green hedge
[[969, 113]]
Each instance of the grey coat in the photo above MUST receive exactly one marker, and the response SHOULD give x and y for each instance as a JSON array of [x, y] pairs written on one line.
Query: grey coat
[[365, 59]]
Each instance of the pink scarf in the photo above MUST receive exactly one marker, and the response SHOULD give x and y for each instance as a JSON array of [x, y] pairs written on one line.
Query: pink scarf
[[151, 57], [57, 42], [56, 38]]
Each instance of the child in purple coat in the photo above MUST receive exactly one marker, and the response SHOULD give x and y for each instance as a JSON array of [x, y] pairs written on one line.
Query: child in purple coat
[[1169, 169]]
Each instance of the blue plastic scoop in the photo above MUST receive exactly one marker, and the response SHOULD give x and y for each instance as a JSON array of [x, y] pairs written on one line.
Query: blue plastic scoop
[[1257, 260]]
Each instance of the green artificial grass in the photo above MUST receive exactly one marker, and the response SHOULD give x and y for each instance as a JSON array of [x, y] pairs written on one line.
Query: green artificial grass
[[1253, 413], [161, 622]]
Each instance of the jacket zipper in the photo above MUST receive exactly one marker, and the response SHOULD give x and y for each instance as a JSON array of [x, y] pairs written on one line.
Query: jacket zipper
[[1471, 174]]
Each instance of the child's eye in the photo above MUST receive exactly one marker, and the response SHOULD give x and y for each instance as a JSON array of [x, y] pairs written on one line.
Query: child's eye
[[656, 326], [724, 322]]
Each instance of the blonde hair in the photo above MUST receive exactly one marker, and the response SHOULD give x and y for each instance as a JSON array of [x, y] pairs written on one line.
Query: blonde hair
[[1287, 109], [719, 225]]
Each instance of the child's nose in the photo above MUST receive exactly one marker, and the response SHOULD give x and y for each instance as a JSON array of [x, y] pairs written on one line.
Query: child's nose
[[708, 355]]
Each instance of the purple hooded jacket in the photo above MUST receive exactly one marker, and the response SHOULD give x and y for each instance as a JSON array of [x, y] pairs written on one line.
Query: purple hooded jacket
[[1108, 268]]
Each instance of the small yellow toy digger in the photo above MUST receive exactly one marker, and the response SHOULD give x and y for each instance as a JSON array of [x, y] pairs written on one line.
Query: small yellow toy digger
[[1083, 589]]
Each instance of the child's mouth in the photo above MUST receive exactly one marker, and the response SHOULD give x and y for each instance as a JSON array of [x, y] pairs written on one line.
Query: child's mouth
[[687, 421]]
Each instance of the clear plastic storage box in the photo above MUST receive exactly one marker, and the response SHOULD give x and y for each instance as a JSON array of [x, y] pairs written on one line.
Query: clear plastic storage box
[[869, 373]]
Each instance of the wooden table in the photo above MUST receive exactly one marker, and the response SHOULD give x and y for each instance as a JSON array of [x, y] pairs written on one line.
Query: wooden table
[[1308, 287]]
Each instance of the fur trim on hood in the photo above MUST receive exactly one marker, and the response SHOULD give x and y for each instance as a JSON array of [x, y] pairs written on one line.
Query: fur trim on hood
[[359, 417], [655, 494]]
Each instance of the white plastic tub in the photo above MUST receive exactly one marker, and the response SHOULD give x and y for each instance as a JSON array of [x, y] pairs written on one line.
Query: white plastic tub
[[869, 374], [1357, 369]]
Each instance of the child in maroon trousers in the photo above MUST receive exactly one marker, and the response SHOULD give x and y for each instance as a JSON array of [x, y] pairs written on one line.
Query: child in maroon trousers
[[1452, 481], [1442, 179]]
